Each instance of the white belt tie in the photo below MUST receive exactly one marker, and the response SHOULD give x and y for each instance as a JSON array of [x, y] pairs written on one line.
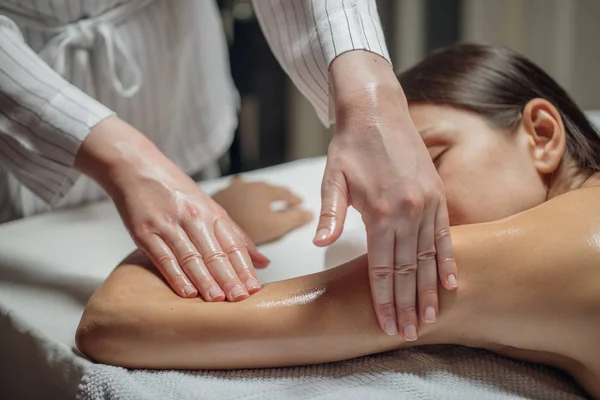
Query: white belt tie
[[78, 39]]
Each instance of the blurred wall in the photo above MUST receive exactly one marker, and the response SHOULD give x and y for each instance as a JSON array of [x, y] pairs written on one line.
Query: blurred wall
[[562, 36]]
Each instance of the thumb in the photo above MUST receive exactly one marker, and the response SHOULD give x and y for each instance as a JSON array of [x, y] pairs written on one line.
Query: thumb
[[334, 204]]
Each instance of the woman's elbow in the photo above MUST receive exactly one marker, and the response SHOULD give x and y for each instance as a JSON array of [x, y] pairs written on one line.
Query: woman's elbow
[[88, 338], [132, 334], [98, 334]]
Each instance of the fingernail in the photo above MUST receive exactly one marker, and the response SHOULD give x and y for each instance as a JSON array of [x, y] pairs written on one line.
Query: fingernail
[[238, 291], [452, 281], [430, 314], [214, 292], [322, 234], [188, 290], [410, 332], [252, 284], [390, 327]]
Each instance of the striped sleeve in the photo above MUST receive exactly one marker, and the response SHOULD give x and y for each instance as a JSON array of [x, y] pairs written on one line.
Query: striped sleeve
[[43, 118], [307, 35]]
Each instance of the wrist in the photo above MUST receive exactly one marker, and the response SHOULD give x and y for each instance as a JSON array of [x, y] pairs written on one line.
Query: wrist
[[364, 85], [112, 148]]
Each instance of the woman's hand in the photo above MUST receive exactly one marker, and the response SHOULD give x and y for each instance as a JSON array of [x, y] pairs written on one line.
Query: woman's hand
[[189, 238], [378, 163], [250, 205]]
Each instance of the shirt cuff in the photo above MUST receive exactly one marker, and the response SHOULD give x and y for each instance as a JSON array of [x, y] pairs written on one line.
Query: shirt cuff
[[350, 29]]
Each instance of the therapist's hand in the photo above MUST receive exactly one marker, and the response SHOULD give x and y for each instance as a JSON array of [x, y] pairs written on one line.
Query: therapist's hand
[[378, 163], [190, 238]]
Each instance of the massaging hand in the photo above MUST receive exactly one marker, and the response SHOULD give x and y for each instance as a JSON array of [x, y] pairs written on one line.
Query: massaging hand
[[378, 163], [190, 238], [250, 205]]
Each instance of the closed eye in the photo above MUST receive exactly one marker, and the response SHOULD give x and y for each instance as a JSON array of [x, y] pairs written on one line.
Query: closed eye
[[436, 159]]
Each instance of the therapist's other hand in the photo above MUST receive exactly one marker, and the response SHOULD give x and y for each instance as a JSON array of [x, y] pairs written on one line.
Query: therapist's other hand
[[251, 206], [378, 163], [189, 237]]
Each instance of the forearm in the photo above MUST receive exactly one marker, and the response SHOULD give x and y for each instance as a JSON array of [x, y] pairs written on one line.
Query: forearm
[[114, 149], [317, 318], [362, 82]]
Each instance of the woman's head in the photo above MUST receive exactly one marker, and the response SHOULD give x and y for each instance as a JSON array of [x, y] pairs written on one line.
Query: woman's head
[[503, 133]]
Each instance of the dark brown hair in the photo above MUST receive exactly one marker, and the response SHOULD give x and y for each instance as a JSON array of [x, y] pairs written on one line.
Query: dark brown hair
[[496, 83]]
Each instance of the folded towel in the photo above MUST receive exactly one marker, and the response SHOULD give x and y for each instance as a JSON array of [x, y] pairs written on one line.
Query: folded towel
[[435, 372]]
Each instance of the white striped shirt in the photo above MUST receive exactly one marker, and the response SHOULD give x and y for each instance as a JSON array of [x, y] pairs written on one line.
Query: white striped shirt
[[161, 65]]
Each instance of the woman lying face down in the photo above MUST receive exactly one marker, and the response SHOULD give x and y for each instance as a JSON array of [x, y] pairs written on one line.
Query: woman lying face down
[[518, 160], [504, 136]]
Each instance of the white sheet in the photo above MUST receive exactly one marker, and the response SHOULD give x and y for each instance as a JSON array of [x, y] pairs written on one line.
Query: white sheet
[[51, 264]]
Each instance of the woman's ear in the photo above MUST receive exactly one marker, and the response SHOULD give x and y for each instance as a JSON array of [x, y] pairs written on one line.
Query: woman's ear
[[544, 125]]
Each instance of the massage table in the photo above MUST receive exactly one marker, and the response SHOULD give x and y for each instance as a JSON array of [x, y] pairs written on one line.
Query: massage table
[[51, 264]]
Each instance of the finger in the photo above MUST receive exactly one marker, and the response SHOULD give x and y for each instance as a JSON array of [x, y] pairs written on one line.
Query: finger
[[236, 180], [292, 219], [405, 279], [296, 217], [192, 264], [427, 269], [216, 260], [380, 244], [163, 258], [238, 255], [281, 193], [334, 204], [447, 268], [259, 260]]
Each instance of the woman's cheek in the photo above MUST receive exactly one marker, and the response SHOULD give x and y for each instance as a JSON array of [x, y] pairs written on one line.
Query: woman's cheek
[[455, 212], [460, 182], [465, 203]]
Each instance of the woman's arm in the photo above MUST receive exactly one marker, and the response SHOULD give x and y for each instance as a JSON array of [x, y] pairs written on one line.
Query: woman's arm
[[529, 282]]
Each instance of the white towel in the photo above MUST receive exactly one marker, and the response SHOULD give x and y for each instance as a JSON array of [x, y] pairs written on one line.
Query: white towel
[[436, 372], [433, 372]]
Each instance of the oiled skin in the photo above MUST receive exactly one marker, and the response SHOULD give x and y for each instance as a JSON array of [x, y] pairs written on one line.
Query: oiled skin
[[529, 288]]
